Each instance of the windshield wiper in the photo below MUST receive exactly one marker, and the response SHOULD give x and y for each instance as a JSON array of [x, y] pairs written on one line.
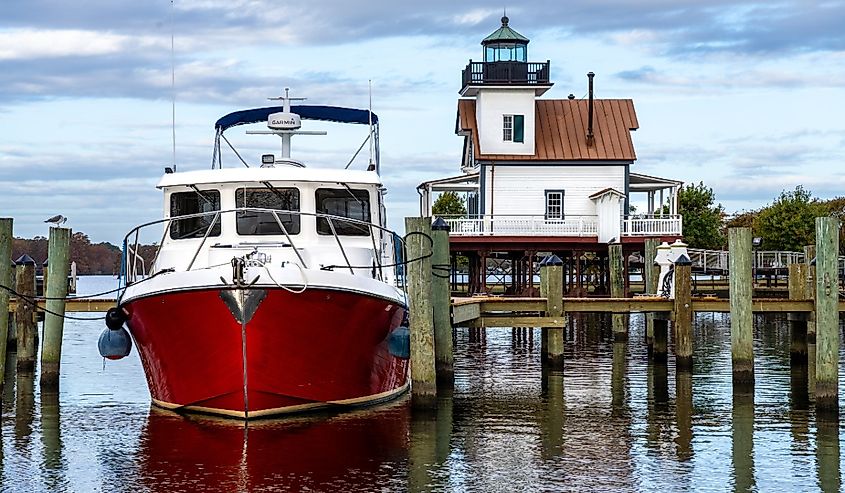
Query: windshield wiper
[[202, 196]]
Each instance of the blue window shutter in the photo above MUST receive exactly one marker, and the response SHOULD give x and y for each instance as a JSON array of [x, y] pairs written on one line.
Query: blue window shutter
[[519, 128]]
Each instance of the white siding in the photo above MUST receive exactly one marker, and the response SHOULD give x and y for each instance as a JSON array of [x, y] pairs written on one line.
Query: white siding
[[521, 189], [491, 106]]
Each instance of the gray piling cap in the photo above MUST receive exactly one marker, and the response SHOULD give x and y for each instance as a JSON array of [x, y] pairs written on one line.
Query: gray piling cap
[[551, 260], [25, 260], [439, 225], [683, 260]]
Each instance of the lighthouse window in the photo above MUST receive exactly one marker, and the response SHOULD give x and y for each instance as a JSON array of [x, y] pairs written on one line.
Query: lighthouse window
[[343, 202], [513, 128], [554, 204], [264, 223], [203, 202]]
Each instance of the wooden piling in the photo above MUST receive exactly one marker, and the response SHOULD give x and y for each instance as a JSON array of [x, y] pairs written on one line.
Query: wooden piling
[[441, 298], [650, 273], [58, 266], [659, 352], [798, 321], [5, 274], [551, 287], [827, 314], [742, 321], [423, 374], [809, 256], [683, 315], [25, 323], [617, 290]]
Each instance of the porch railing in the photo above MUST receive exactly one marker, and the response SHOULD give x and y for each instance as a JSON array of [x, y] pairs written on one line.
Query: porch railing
[[570, 225], [668, 225]]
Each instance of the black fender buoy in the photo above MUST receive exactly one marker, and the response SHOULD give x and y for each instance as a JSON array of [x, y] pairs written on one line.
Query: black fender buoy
[[114, 343], [115, 318]]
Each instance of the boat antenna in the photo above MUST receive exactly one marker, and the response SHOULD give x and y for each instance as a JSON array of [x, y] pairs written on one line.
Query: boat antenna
[[173, 81], [372, 164]]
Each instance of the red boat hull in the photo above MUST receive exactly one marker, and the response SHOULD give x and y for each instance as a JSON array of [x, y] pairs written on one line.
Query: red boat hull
[[298, 351]]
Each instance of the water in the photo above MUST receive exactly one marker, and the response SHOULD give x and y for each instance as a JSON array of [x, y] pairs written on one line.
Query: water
[[611, 422]]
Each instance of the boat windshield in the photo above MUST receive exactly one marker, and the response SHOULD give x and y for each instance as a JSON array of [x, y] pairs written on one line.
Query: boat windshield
[[264, 223], [196, 202], [343, 202]]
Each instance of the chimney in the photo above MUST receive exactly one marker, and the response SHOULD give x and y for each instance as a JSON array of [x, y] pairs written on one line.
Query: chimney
[[590, 139]]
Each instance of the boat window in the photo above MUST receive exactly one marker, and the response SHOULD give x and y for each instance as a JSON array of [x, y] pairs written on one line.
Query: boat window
[[264, 223], [343, 202], [196, 202]]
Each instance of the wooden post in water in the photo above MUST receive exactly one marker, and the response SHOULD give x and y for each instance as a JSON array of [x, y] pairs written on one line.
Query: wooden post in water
[[650, 272], [742, 321], [423, 374], [827, 314], [660, 350], [617, 290], [551, 288], [683, 314], [26, 326], [5, 274], [12, 333], [809, 256], [798, 321], [441, 299], [55, 290]]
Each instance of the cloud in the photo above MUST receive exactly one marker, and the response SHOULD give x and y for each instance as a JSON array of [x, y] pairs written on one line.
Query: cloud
[[680, 28]]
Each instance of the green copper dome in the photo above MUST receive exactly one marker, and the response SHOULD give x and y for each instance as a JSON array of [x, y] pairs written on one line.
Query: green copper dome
[[505, 34]]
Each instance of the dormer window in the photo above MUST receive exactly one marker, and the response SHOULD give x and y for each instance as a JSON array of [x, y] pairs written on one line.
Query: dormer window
[[513, 128]]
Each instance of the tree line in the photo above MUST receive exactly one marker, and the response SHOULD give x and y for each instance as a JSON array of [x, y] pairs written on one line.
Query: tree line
[[788, 223], [91, 258]]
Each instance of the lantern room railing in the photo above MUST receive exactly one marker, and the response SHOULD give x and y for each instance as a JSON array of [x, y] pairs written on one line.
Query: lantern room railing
[[504, 73]]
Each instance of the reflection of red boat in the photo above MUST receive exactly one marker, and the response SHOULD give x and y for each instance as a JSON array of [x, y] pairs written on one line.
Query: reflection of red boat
[[273, 288], [347, 452]]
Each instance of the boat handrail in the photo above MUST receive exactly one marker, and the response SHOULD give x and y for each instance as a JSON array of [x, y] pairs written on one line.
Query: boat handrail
[[130, 272]]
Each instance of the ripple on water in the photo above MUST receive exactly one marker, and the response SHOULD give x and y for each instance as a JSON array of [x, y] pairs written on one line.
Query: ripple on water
[[610, 421]]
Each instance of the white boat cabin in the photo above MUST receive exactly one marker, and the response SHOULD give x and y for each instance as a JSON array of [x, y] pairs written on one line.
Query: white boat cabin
[[323, 218], [546, 167]]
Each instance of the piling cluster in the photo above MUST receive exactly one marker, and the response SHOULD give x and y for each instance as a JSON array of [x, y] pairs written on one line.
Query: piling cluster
[[812, 309], [20, 281]]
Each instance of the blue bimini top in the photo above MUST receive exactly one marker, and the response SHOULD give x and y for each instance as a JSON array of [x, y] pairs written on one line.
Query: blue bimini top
[[306, 112]]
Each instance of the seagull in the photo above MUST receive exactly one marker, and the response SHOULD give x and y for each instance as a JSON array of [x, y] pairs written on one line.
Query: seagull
[[56, 220]]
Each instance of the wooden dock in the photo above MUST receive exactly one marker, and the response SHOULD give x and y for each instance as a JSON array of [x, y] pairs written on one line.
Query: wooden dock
[[810, 299], [94, 305]]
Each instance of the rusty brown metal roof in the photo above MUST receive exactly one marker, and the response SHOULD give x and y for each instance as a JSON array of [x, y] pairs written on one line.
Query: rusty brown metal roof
[[561, 130]]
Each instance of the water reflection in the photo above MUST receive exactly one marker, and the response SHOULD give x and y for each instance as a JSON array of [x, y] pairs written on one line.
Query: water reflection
[[52, 460], [683, 414], [827, 455], [742, 436], [351, 451], [612, 421]]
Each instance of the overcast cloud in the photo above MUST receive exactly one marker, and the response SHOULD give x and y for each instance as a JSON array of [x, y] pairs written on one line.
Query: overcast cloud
[[745, 96]]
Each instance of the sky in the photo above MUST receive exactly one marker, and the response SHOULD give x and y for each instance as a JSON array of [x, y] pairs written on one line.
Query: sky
[[747, 97]]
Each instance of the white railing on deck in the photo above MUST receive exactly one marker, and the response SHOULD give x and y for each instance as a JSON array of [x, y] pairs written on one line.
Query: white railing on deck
[[668, 225], [570, 225], [502, 225]]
